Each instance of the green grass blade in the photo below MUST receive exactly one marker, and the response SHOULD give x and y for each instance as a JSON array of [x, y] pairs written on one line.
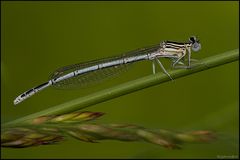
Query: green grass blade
[[131, 86]]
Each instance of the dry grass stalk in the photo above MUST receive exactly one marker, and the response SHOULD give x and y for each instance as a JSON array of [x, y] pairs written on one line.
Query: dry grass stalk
[[51, 129]]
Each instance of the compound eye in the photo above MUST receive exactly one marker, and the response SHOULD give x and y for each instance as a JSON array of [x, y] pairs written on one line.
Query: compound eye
[[196, 47], [192, 39]]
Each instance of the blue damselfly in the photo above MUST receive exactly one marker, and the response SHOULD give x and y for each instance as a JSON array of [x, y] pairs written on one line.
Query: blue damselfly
[[85, 73]]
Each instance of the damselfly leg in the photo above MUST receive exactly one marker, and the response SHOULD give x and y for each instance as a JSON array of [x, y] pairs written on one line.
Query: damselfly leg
[[177, 61], [164, 70], [197, 61], [153, 67], [189, 57], [194, 63]]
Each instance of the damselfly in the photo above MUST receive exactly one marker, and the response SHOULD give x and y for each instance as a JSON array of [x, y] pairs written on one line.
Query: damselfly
[[85, 73]]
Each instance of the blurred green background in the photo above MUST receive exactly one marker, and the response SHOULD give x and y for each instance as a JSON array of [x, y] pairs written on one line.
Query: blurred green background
[[38, 37]]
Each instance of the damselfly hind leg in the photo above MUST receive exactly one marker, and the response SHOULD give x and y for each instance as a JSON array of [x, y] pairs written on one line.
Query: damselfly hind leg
[[153, 67], [164, 70]]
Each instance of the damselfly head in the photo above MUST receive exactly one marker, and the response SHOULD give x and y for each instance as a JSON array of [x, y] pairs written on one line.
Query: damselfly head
[[196, 46]]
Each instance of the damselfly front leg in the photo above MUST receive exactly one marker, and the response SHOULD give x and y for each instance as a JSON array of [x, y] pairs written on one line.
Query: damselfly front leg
[[180, 63], [189, 60], [181, 55], [189, 57], [198, 62]]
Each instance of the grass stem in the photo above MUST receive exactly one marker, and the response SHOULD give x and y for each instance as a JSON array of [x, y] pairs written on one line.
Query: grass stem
[[131, 86]]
